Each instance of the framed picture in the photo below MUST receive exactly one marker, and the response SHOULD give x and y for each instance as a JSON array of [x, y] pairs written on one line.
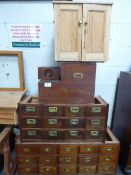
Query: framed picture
[[11, 71]]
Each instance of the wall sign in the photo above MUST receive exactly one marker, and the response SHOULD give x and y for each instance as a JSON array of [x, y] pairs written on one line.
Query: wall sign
[[25, 35]]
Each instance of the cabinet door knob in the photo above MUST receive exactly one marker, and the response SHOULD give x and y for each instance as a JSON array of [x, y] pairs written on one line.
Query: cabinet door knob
[[80, 23], [86, 23]]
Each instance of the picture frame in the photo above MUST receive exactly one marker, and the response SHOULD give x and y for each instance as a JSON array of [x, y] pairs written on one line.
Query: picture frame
[[11, 71]]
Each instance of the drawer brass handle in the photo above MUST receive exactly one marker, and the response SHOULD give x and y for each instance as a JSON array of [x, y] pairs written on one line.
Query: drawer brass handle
[[88, 159], [30, 109], [52, 133], [47, 149], [107, 159], [88, 149], [109, 149], [47, 160], [52, 121], [95, 122], [74, 133], [78, 75], [107, 168], [28, 170], [74, 109], [68, 160], [27, 161], [74, 122], [52, 109], [67, 149], [94, 133], [67, 170], [32, 133], [47, 169], [26, 149], [31, 121], [96, 109]]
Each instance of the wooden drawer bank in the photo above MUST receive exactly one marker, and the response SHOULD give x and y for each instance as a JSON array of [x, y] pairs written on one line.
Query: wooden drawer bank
[[68, 158]]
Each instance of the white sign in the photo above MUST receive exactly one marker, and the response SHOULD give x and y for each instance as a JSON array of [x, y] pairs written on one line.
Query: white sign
[[25, 35]]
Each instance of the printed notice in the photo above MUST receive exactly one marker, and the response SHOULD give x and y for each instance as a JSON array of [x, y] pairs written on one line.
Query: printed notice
[[25, 35]]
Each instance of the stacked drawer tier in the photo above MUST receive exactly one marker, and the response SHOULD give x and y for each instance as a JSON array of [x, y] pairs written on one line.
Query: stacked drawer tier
[[56, 122], [73, 82], [67, 158]]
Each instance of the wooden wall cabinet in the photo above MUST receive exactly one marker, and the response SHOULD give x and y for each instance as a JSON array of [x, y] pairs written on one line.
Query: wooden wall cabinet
[[81, 31]]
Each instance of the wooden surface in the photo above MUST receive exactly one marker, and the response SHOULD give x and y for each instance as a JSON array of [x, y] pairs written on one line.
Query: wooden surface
[[85, 1], [81, 32], [95, 35], [9, 164], [20, 69], [68, 32]]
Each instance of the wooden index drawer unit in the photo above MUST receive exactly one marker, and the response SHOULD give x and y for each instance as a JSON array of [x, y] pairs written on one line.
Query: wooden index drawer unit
[[39, 122], [67, 158]]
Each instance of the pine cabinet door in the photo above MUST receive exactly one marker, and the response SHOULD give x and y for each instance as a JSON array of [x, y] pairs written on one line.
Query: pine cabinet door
[[68, 32], [95, 34]]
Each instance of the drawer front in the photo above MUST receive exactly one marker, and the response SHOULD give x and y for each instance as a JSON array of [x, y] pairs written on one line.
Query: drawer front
[[74, 123], [88, 160], [107, 168], [27, 170], [48, 160], [129, 158], [30, 109], [89, 149], [87, 169], [30, 122], [74, 111], [67, 169], [48, 149], [53, 111], [95, 135], [48, 73], [26, 149], [95, 122], [109, 148], [34, 134], [68, 149], [52, 135], [47, 170], [68, 159], [108, 158], [96, 110], [52, 123], [27, 160], [73, 135]]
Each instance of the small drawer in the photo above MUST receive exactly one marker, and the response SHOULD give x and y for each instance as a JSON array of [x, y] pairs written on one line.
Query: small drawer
[[48, 160], [52, 123], [53, 110], [108, 158], [26, 149], [74, 123], [67, 169], [47, 170], [30, 109], [96, 110], [31, 134], [106, 169], [95, 122], [74, 134], [89, 149], [48, 149], [88, 160], [68, 159], [87, 169], [27, 160], [27, 170], [95, 135], [109, 148], [30, 122], [74, 111], [52, 135], [68, 149]]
